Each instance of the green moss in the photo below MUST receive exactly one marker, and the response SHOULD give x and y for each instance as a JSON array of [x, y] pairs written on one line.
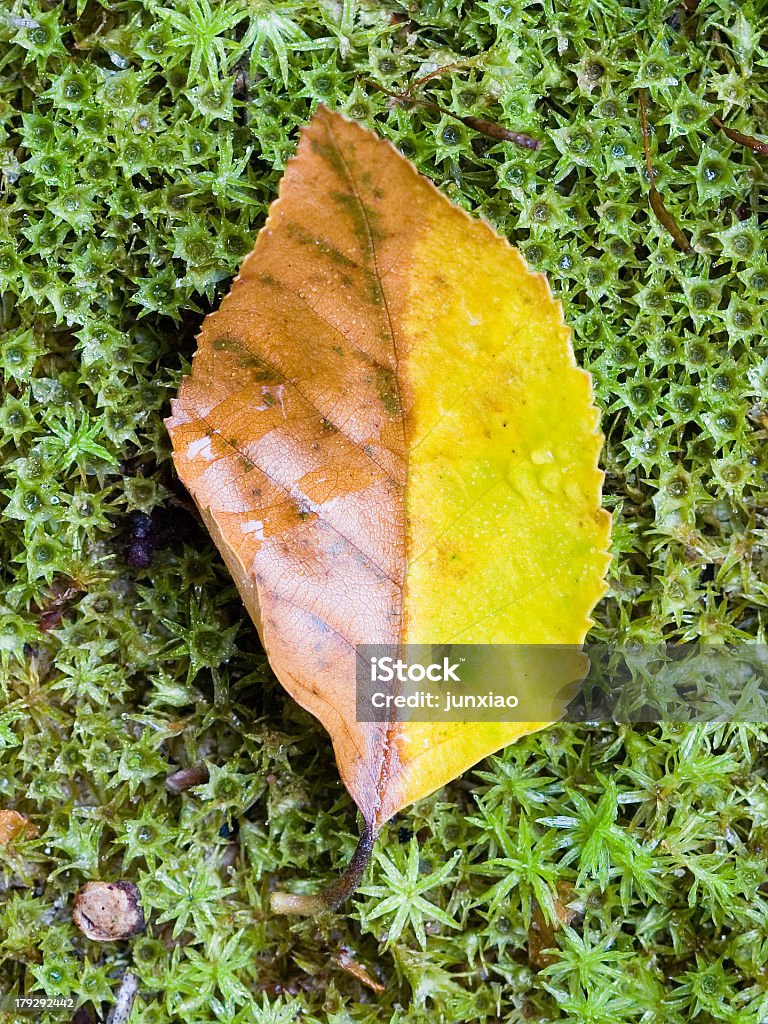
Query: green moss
[[140, 145]]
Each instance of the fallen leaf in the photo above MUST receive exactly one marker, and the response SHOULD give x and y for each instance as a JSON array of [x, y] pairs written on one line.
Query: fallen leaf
[[388, 437], [108, 911], [13, 824]]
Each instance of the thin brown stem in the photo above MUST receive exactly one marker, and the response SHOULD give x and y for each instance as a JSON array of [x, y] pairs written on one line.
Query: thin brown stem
[[498, 131], [477, 124], [334, 895], [658, 205], [743, 140], [646, 144], [439, 71], [401, 97]]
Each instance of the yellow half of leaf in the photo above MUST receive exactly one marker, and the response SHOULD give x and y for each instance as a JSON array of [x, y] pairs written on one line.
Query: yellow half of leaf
[[388, 436]]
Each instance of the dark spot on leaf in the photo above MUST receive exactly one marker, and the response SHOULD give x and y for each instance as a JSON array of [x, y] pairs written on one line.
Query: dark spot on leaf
[[386, 382]]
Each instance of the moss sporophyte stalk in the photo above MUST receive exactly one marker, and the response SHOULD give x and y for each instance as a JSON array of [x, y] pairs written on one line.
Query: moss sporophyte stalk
[[140, 146]]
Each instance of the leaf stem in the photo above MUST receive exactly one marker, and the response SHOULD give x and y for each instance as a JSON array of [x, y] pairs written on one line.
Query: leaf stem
[[334, 895]]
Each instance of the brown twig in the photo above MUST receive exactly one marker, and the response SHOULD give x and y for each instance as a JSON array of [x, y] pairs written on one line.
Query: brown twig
[[743, 140], [658, 206], [476, 124]]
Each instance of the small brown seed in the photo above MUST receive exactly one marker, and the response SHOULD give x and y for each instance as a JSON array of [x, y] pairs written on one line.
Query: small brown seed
[[107, 911]]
